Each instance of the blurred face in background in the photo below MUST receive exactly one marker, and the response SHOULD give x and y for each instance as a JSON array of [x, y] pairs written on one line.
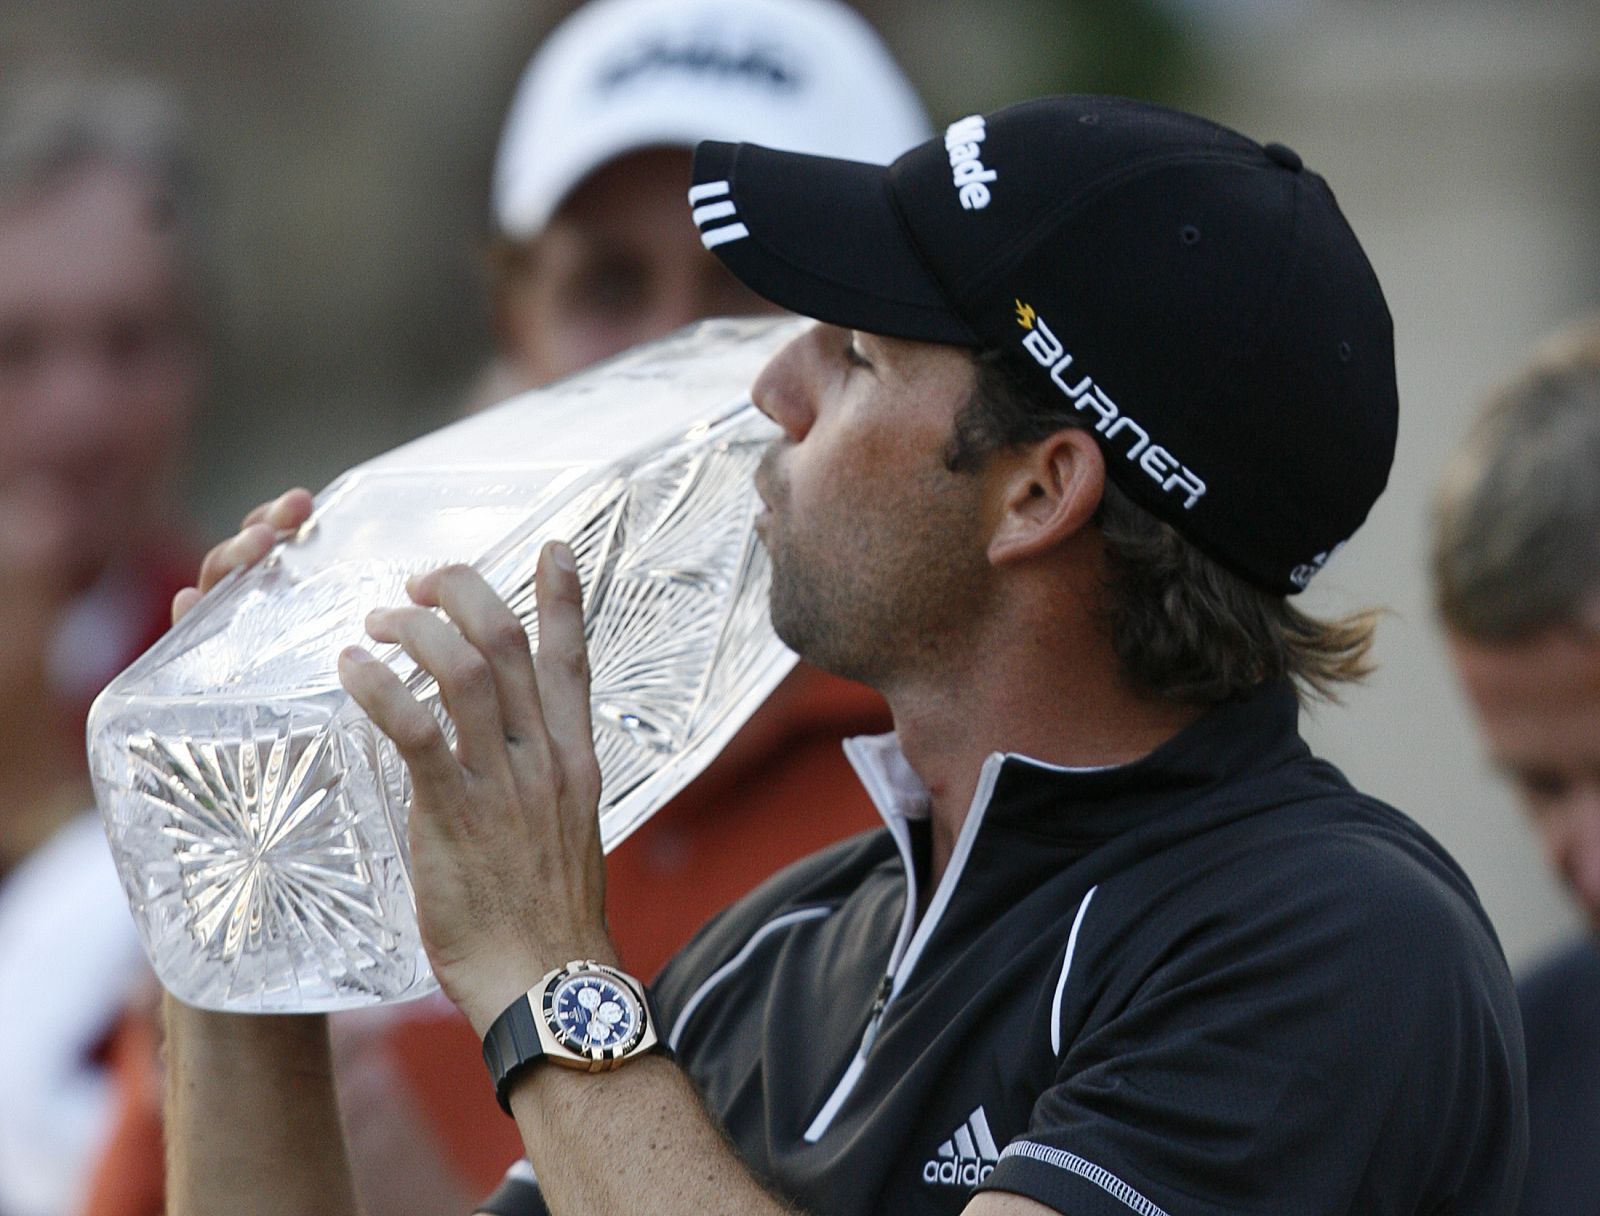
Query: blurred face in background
[[620, 263], [99, 363], [1538, 703]]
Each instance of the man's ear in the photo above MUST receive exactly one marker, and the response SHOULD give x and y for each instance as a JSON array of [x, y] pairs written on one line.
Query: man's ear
[[1048, 493]]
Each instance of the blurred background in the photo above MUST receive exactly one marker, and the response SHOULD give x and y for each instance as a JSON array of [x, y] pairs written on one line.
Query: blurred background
[[347, 147]]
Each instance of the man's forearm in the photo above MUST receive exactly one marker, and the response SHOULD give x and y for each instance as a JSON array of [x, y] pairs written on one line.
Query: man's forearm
[[637, 1139], [252, 1122]]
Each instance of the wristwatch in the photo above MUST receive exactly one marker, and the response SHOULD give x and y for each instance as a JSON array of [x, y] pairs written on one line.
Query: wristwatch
[[585, 1016]]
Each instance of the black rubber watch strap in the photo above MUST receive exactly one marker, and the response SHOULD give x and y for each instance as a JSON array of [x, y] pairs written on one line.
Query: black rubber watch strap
[[511, 1044], [513, 1041]]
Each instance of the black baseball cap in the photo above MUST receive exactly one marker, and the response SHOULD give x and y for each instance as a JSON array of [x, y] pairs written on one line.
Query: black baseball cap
[[1196, 296]]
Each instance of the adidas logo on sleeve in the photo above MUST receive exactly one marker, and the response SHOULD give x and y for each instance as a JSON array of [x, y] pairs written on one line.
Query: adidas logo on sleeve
[[967, 1158]]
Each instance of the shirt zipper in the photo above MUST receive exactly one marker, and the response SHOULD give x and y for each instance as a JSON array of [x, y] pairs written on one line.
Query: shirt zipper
[[913, 937], [875, 1018]]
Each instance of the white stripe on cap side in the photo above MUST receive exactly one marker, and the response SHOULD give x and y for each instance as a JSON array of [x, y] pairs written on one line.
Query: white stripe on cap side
[[738, 960], [713, 211], [1066, 968], [705, 190], [712, 237], [1088, 1170]]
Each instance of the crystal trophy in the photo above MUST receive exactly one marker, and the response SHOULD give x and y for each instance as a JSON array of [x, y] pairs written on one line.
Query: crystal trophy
[[258, 818]]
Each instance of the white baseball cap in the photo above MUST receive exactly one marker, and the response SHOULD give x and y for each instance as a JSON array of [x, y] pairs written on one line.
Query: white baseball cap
[[620, 75]]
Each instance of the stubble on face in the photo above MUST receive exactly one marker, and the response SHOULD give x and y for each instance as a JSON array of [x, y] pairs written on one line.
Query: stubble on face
[[884, 575]]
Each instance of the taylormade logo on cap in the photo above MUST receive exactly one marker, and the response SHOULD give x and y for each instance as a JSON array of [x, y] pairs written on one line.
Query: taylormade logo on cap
[[962, 140]]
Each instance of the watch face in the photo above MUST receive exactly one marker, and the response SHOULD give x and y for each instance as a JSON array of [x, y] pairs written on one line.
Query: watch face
[[594, 1015]]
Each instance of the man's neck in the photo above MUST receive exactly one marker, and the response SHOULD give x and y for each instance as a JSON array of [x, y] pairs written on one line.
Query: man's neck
[[1066, 707]]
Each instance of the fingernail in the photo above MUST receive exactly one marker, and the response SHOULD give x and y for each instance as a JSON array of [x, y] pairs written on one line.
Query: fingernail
[[563, 557], [354, 654]]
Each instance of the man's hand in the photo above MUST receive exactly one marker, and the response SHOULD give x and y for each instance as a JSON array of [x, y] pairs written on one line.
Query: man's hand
[[261, 529], [505, 841]]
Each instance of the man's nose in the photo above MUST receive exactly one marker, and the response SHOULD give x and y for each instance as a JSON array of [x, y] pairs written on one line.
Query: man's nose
[[77, 397], [785, 389]]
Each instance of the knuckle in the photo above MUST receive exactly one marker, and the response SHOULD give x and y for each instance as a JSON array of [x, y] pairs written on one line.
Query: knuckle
[[573, 661], [467, 673], [415, 733], [506, 635], [574, 772]]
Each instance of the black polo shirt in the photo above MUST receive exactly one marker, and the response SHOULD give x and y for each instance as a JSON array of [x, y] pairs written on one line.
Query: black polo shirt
[[1218, 980]]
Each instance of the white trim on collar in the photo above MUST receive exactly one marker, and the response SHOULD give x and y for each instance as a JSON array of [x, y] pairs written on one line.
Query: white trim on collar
[[892, 784], [896, 790]]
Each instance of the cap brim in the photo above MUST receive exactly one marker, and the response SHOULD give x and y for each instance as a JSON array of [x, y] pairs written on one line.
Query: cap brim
[[820, 237]]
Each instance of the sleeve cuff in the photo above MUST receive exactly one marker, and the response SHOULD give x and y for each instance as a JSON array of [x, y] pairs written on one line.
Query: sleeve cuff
[[1067, 1182]]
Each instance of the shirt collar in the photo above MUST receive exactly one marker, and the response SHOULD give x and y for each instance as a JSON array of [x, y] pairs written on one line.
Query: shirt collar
[[1088, 805]]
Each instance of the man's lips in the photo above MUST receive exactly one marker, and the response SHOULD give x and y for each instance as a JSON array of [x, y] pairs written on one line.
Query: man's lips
[[764, 478], [763, 517]]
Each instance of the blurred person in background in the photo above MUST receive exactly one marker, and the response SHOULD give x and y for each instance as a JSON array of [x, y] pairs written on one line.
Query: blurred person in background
[[1516, 564], [592, 253], [100, 373]]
